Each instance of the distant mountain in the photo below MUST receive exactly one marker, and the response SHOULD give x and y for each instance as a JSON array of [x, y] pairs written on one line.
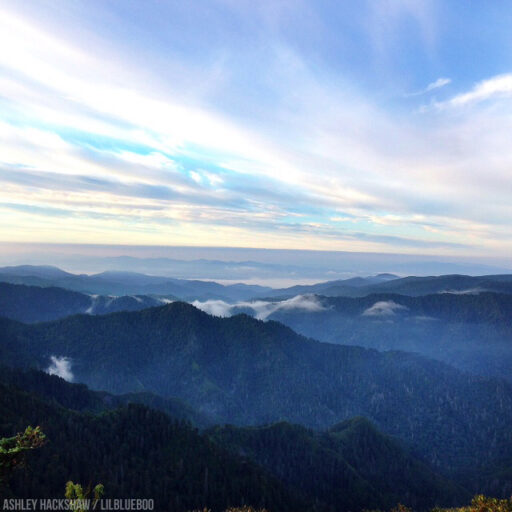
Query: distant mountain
[[128, 283], [416, 286], [245, 371], [31, 304], [350, 285], [413, 286], [471, 332], [40, 271], [350, 467]]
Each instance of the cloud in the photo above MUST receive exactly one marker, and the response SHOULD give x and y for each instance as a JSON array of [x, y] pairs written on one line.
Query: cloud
[[440, 82], [260, 309], [384, 309], [469, 291], [425, 318], [209, 147], [214, 307], [60, 366], [495, 87]]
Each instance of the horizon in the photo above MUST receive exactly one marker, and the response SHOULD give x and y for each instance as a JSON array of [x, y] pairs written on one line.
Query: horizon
[[276, 268], [278, 125]]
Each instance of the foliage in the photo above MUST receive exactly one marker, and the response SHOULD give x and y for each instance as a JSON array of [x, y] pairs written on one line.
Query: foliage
[[77, 496], [481, 503], [13, 449], [136, 452]]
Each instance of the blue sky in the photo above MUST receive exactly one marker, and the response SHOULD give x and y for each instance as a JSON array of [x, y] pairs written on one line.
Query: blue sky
[[357, 126]]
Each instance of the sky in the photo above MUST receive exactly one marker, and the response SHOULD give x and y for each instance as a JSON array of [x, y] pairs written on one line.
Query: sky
[[353, 126]]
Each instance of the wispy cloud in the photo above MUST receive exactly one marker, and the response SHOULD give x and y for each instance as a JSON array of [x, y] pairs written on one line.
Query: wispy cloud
[[437, 84], [496, 87], [254, 138]]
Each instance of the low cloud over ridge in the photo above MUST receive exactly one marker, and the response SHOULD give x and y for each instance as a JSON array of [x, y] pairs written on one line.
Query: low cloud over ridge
[[384, 309], [60, 366], [261, 309]]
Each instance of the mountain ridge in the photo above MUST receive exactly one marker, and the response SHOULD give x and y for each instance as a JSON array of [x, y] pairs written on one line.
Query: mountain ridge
[[246, 371]]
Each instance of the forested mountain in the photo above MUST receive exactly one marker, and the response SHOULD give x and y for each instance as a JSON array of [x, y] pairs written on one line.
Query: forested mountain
[[471, 332], [128, 283], [78, 397], [41, 304], [414, 286], [351, 466], [245, 371], [135, 452]]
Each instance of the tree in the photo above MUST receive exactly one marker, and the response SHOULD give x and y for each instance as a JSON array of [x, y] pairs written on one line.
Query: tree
[[13, 450], [78, 498]]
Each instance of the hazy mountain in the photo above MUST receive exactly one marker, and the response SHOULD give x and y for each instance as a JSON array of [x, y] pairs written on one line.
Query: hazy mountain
[[321, 288], [472, 332], [414, 286], [128, 283], [275, 267], [41, 271], [245, 371]]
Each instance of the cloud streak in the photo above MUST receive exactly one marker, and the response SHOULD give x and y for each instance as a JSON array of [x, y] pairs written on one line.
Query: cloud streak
[[496, 87], [437, 84]]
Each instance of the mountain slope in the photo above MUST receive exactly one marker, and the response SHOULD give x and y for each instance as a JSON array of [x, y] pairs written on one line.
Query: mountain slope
[[135, 452], [471, 332], [246, 371], [80, 398], [351, 466]]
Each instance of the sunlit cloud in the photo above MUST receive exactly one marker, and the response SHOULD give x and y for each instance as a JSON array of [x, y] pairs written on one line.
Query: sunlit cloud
[[268, 145]]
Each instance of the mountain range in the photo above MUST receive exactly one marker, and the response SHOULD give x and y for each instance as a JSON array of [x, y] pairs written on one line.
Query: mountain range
[[472, 332], [412, 285], [236, 407], [245, 371], [128, 283], [131, 283], [136, 450]]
